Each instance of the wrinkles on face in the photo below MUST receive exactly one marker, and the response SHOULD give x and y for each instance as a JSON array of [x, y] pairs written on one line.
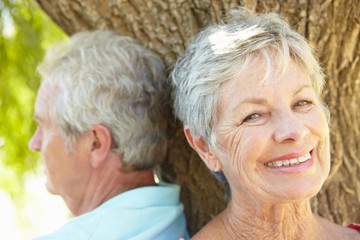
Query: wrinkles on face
[[232, 144], [281, 118]]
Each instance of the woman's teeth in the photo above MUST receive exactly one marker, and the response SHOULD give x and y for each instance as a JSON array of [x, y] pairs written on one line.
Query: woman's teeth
[[289, 162]]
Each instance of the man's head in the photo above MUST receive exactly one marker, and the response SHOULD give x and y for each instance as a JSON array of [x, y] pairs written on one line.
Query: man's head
[[100, 88], [104, 78]]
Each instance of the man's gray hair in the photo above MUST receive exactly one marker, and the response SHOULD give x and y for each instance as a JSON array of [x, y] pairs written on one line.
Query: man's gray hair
[[108, 79], [220, 53]]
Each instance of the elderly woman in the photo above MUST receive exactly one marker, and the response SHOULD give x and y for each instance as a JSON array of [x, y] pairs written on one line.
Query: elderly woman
[[248, 95]]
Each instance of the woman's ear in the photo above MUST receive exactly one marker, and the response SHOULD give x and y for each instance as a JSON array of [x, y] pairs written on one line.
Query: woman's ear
[[203, 149], [101, 141]]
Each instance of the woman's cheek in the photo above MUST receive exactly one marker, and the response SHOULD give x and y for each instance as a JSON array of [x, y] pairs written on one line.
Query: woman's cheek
[[324, 154], [245, 151], [319, 126], [236, 146], [318, 123]]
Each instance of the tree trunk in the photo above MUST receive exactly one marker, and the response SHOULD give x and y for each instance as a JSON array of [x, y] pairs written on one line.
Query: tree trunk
[[167, 26]]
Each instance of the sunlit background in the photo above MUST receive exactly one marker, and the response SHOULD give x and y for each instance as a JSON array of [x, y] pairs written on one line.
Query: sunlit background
[[26, 209]]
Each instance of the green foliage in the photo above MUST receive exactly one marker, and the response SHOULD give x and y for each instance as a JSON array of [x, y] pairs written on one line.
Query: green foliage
[[26, 32]]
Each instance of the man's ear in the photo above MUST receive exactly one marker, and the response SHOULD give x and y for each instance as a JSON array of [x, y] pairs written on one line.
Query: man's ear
[[101, 141], [204, 150]]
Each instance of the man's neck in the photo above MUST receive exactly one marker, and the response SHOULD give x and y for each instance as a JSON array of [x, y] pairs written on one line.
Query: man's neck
[[106, 185]]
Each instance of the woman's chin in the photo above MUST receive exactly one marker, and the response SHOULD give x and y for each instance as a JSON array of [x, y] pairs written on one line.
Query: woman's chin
[[295, 192]]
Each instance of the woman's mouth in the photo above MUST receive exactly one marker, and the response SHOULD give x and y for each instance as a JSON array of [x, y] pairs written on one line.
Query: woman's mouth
[[289, 162]]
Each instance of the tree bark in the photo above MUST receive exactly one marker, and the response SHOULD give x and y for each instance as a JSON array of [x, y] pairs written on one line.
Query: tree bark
[[167, 26]]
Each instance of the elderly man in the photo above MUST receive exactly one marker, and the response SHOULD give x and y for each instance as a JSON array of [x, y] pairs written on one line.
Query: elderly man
[[101, 114]]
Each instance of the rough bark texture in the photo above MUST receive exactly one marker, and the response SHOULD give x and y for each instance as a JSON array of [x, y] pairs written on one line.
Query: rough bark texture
[[167, 26]]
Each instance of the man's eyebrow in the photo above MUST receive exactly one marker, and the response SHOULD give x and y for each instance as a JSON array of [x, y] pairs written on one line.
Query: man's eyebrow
[[37, 118]]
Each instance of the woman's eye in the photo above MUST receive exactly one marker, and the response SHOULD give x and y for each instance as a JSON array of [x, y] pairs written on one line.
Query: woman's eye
[[302, 103], [252, 117]]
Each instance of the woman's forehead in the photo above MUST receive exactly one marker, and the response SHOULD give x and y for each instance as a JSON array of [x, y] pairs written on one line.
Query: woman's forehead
[[256, 82], [261, 71]]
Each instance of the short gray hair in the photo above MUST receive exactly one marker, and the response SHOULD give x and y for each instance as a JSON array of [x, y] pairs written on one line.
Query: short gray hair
[[108, 79], [220, 53]]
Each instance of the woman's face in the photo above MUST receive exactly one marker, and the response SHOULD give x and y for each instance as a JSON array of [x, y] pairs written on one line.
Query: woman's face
[[272, 135]]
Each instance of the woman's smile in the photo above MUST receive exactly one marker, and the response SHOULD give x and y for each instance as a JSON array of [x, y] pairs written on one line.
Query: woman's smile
[[289, 162], [291, 165]]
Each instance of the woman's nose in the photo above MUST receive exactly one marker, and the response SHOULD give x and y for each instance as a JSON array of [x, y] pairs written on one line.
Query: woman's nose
[[289, 127], [35, 141]]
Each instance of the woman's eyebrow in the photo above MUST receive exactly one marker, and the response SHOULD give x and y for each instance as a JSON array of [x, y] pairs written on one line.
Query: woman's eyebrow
[[302, 88], [250, 100], [263, 101]]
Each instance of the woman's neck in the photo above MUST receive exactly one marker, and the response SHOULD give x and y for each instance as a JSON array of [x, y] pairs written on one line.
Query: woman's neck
[[244, 220]]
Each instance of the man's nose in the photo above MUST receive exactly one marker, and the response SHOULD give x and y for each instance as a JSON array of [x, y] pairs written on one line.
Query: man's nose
[[35, 141]]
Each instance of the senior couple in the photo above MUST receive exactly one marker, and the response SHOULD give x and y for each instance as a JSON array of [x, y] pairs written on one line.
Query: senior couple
[[247, 93]]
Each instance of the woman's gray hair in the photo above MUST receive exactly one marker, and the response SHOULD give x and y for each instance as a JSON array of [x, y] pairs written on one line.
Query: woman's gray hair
[[222, 52], [108, 79]]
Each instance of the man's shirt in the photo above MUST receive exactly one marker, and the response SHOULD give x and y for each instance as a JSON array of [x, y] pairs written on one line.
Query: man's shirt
[[153, 213]]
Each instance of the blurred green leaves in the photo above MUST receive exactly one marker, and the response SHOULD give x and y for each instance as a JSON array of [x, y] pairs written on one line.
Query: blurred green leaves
[[26, 32]]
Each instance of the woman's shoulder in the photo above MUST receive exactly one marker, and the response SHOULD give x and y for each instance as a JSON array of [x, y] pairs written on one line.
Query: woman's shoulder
[[213, 230], [353, 231], [336, 231], [354, 226]]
